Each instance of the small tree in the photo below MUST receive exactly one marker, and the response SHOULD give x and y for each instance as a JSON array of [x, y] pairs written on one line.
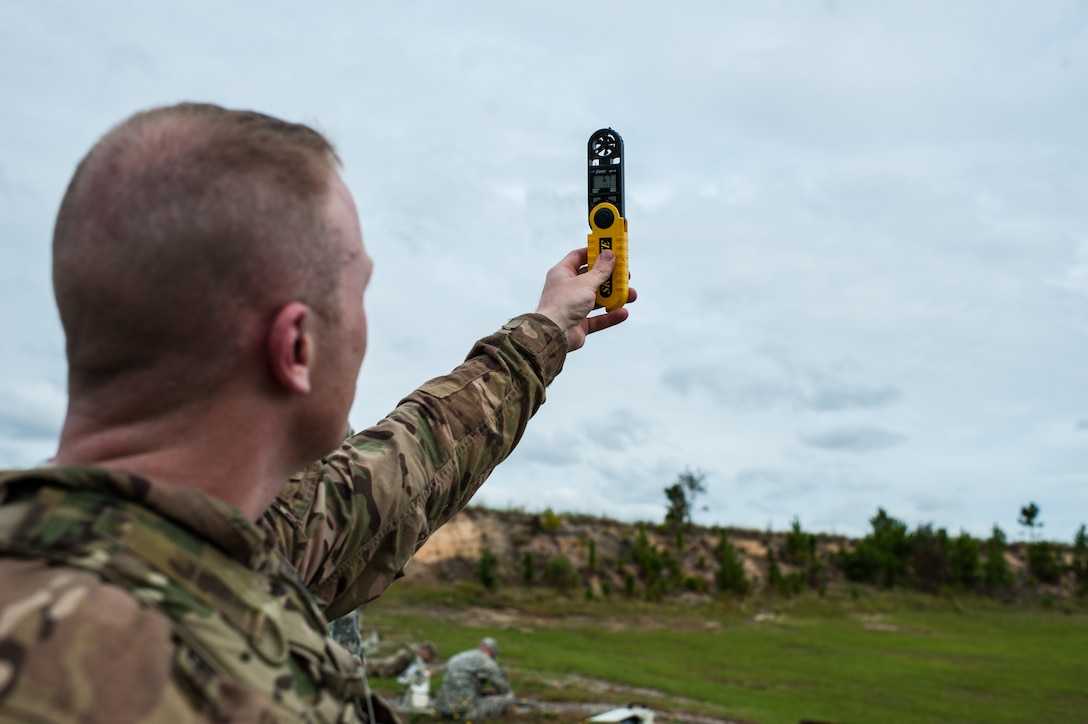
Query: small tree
[[528, 573], [677, 512], [674, 571], [681, 496], [648, 558], [963, 561], [550, 522], [730, 576], [1044, 563], [800, 546], [801, 551], [1028, 514], [488, 568], [775, 579], [1079, 565], [929, 557], [996, 574], [559, 572], [881, 556]]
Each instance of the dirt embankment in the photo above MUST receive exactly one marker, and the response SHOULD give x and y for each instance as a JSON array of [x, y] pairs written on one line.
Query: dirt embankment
[[601, 551], [604, 554]]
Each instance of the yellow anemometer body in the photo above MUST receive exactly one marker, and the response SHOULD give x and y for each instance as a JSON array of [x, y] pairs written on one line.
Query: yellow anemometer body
[[609, 232], [606, 221]]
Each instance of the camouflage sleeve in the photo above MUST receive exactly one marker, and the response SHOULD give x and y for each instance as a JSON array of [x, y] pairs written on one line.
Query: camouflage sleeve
[[350, 522], [493, 674]]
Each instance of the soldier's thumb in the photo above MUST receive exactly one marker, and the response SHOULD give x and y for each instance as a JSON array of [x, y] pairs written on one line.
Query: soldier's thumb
[[604, 265]]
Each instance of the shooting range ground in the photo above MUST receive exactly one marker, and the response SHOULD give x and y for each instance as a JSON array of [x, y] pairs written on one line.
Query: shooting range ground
[[881, 656]]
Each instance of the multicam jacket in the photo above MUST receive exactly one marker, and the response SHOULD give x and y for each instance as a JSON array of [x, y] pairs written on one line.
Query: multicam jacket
[[350, 522], [124, 599]]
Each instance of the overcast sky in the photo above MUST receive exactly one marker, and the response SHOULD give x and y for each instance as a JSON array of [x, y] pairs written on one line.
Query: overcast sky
[[859, 230]]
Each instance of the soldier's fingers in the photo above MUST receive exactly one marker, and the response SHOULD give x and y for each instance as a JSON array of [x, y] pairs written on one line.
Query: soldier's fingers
[[606, 320]]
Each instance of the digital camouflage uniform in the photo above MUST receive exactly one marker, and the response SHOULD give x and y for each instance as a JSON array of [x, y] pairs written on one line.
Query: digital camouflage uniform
[[124, 599], [346, 631], [385, 667], [473, 688]]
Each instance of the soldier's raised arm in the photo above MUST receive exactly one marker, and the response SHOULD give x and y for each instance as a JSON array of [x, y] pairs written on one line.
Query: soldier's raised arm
[[350, 522]]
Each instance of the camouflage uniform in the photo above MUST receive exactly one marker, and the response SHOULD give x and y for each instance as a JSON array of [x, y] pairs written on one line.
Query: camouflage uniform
[[351, 521], [124, 599], [385, 667], [462, 695], [346, 631]]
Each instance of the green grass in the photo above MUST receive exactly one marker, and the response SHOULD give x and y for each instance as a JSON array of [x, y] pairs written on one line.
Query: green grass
[[878, 657]]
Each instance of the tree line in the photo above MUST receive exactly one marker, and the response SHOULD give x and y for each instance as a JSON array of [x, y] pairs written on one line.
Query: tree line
[[890, 555]]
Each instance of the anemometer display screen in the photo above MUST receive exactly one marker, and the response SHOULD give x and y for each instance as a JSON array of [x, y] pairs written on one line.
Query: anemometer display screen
[[604, 181]]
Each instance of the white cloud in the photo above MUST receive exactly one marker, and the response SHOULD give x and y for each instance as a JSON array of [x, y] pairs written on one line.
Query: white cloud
[[859, 439], [854, 227]]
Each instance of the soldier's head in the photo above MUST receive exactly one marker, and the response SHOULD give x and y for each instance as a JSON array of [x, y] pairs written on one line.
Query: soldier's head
[[489, 646], [197, 246]]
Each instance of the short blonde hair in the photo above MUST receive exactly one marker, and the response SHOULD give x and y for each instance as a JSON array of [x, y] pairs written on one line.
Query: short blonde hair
[[177, 220]]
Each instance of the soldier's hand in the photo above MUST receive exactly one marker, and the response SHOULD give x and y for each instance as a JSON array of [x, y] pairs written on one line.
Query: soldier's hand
[[570, 294]]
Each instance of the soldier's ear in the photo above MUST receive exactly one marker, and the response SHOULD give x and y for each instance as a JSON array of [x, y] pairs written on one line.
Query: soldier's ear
[[290, 347]]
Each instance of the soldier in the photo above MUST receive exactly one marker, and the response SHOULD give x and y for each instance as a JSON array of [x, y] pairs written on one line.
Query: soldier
[[475, 686], [401, 660], [209, 271], [346, 632]]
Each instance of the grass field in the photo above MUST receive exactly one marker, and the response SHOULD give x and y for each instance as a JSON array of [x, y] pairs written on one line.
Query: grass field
[[871, 657]]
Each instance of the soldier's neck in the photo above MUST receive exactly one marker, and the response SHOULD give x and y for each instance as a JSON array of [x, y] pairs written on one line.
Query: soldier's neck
[[231, 454]]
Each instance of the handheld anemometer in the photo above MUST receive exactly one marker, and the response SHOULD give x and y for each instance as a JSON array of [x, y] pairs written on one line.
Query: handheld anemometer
[[606, 221]]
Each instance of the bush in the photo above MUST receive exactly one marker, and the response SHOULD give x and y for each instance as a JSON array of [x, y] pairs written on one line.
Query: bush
[[528, 574], [929, 557], [549, 521], [1044, 565], [862, 564], [800, 546], [730, 576], [648, 559], [654, 591], [559, 572], [672, 567], [1080, 561], [995, 573], [801, 552], [488, 568], [964, 567], [695, 584], [881, 556], [775, 580]]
